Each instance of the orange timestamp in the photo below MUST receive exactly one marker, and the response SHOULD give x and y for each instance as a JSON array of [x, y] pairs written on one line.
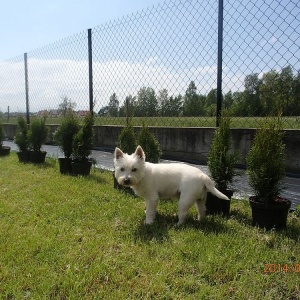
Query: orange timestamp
[[284, 268]]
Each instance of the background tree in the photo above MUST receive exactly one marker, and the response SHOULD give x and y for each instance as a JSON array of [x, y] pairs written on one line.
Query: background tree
[[146, 103], [211, 103], [269, 91], [238, 106], [263, 94], [128, 107], [228, 99], [192, 103], [174, 107], [66, 106], [295, 105], [163, 100], [285, 97], [251, 95], [113, 105]]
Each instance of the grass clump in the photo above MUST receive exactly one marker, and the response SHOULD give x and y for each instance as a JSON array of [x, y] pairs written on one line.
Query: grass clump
[[64, 237]]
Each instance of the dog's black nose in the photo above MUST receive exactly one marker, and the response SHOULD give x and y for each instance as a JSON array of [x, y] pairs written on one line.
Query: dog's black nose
[[127, 181]]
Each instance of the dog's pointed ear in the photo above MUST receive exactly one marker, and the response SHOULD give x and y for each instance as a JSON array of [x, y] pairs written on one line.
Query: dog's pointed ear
[[118, 153], [140, 153]]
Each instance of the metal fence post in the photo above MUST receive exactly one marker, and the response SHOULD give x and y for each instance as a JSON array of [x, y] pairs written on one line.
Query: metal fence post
[[26, 89], [91, 97], [219, 72]]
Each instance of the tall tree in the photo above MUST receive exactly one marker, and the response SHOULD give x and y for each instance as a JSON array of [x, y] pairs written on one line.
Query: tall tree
[[127, 109], [286, 91], [113, 105], [228, 100], [146, 103], [295, 106], [66, 106], [175, 106], [238, 106], [269, 91], [172, 107], [211, 103], [253, 103], [252, 83], [191, 105], [163, 100]]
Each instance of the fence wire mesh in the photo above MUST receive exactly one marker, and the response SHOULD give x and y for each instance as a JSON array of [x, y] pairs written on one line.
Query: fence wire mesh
[[261, 58], [12, 86], [159, 67]]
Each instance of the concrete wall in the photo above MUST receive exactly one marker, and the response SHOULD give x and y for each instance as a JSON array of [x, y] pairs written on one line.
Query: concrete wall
[[189, 144]]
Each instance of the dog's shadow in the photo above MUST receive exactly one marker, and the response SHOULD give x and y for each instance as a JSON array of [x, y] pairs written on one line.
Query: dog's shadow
[[157, 232]]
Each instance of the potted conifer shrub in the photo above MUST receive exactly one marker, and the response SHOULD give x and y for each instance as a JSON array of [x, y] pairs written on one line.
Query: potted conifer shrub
[[21, 140], [221, 162], [37, 135], [63, 137], [266, 171], [4, 150], [150, 145], [127, 139], [82, 145]]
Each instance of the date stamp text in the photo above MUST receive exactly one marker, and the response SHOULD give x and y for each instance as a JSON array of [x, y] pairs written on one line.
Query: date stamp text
[[281, 268]]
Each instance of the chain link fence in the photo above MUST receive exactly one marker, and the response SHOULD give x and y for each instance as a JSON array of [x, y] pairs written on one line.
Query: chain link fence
[[159, 67], [261, 59]]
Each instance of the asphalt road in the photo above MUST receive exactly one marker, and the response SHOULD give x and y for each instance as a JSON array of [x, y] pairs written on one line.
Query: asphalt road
[[240, 185]]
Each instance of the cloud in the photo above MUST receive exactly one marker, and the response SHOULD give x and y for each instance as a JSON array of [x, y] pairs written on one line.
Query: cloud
[[272, 40], [152, 60], [50, 80]]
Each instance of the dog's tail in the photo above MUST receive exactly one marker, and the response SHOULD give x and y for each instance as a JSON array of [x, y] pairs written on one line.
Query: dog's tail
[[209, 184]]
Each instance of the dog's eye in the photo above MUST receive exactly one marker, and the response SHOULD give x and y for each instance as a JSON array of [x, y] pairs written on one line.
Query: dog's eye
[[122, 169], [134, 169]]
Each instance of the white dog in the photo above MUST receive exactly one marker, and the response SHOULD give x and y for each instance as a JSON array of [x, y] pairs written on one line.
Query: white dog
[[154, 181]]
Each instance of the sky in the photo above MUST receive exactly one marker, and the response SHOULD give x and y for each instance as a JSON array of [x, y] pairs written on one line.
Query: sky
[[138, 43], [29, 24]]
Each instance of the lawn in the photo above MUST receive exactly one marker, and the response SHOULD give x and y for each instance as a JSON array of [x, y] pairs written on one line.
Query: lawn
[[237, 122], [64, 237]]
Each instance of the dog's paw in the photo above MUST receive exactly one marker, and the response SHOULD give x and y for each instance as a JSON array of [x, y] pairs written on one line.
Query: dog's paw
[[148, 222], [179, 224]]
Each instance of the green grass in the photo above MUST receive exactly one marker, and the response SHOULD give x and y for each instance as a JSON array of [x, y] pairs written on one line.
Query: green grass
[[236, 122], [63, 237]]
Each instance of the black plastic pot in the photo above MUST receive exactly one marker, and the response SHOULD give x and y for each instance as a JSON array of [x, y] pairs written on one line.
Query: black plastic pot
[[270, 215], [65, 166], [217, 206], [81, 168], [4, 150], [23, 156], [37, 157]]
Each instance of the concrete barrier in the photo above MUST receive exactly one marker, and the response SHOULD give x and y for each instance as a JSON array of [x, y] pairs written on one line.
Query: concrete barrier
[[188, 143]]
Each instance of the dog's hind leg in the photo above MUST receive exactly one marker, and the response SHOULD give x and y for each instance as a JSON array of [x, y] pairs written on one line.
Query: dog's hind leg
[[184, 205], [201, 209]]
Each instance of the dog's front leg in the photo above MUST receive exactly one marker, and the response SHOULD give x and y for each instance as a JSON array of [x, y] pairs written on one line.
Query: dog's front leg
[[151, 205]]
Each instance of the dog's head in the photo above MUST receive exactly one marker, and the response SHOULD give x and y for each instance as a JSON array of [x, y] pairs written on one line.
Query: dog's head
[[129, 169]]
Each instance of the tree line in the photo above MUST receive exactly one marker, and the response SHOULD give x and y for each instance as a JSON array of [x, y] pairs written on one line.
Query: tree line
[[272, 92]]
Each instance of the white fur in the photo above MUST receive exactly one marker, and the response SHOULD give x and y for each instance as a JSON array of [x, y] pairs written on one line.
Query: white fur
[[154, 181]]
